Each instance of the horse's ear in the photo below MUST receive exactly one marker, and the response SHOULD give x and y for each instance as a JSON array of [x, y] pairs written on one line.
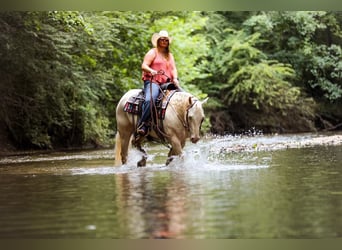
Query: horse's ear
[[190, 100], [205, 100]]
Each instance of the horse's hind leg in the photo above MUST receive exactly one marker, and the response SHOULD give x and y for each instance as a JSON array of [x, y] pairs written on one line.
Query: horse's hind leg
[[126, 137], [125, 140]]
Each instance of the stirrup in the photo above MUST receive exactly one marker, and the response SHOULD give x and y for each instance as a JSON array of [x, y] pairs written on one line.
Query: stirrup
[[141, 132], [137, 139], [142, 129]]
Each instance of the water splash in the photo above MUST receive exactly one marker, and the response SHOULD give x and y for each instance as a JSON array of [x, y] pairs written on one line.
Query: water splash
[[206, 156], [214, 153]]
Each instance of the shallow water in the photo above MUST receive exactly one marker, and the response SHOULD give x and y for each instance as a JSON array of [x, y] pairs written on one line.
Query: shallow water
[[223, 187]]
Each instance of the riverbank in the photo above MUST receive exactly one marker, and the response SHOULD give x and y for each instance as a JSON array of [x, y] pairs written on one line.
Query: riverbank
[[279, 142], [7, 150]]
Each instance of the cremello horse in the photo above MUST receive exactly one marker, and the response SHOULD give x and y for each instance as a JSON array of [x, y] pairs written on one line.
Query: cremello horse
[[183, 118]]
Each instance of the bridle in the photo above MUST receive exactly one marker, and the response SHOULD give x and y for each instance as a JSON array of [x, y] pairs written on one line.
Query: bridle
[[186, 123]]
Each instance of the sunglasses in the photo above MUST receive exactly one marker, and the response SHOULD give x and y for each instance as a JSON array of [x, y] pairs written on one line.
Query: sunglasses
[[163, 39]]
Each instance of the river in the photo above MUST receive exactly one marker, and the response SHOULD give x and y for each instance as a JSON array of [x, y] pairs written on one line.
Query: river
[[249, 186]]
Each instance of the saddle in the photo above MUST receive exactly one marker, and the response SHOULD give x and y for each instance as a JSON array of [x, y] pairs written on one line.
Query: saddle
[[135, 102]]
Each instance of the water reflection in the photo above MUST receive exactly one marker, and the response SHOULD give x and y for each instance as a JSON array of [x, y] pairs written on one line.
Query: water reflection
[[213, 192]]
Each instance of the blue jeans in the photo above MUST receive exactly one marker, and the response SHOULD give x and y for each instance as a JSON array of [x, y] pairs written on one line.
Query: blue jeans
[[151, 94]]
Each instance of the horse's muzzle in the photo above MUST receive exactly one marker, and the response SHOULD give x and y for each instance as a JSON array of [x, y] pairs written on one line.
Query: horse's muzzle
[[194, 139]]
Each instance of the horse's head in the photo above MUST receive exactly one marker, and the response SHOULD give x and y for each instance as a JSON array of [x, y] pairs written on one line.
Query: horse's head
[[195, 117]]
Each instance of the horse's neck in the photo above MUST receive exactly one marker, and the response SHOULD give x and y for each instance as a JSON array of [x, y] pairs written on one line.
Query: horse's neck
[[183, 103]]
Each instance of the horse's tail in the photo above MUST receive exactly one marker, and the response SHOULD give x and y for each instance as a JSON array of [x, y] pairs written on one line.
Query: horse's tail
[[117, 149]]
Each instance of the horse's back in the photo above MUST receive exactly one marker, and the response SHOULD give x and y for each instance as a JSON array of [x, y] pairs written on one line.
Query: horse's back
[[125, 98], [125, 121], [175, 109]]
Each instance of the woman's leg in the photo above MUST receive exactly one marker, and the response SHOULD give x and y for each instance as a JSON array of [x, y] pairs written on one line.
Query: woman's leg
[[151, 94]]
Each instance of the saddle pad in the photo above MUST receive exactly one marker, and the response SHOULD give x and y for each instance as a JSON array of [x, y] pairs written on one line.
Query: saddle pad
[[162, 105], [134, 103]]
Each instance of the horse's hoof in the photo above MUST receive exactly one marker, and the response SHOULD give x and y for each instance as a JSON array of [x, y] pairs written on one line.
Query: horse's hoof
[[168, 161], [142, 163]]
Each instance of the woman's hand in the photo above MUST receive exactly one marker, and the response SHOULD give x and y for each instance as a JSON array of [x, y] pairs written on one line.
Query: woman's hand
[[153, 72], [176, 82]]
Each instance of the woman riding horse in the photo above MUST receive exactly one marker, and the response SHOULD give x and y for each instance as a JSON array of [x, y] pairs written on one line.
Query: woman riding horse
[[183, 118], [183, 115], [156, 60]]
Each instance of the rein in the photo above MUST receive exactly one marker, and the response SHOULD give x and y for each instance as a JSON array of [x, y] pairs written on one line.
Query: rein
[[153, 107], [186, 122], [187, 114], [155, 121]]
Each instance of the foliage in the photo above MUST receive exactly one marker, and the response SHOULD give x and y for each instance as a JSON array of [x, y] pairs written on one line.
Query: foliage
[[253, 78], [62, 72], [310, 41], [326, 70], [245, 76], [34, 105], [189, 47]]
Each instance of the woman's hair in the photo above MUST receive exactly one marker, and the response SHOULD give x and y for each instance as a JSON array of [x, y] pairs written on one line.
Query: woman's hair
[[167, 49]]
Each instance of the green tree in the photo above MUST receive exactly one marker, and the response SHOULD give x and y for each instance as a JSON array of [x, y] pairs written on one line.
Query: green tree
[[311, 42], [62, 75], [32, 67], [260, 88], [63, 72]]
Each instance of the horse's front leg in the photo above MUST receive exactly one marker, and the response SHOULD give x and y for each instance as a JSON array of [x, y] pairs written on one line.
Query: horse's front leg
[[176, 149]]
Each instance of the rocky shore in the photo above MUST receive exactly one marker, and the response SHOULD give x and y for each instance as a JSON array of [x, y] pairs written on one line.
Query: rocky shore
[[277, 142]]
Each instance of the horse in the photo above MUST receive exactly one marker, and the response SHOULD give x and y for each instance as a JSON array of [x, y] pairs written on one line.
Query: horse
[[183, 119]]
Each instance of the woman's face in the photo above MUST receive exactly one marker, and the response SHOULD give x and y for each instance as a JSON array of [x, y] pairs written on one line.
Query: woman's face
[[163, 42]]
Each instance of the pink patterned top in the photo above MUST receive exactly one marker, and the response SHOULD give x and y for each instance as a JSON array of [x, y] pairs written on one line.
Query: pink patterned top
[[163, 64]]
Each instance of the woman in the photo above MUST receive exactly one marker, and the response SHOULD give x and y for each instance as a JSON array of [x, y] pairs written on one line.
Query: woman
[[157, 59]]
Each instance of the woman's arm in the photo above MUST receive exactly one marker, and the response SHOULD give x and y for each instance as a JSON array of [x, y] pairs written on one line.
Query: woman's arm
[[148, 59]]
